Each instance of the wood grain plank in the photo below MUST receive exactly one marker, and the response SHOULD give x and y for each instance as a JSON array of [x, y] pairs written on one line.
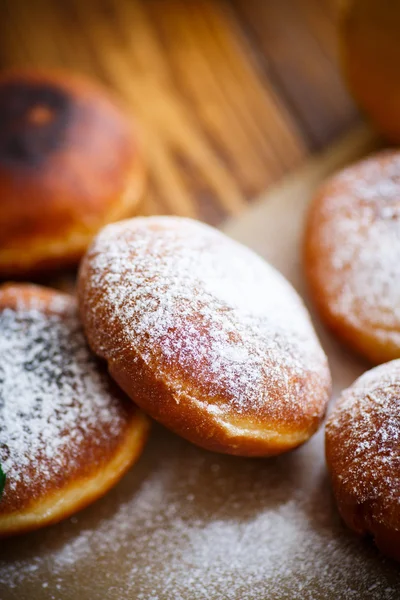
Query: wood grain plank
[[252, 123], [170, 130], [298, 41]]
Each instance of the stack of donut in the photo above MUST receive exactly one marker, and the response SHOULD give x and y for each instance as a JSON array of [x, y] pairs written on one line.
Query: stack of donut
[[198, 331], [69, 164]]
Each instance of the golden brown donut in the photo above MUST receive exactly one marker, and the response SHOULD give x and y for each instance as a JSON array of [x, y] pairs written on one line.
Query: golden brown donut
[[69, 164], [352, 255], [206, 337], [67, 433], [363, 456], [370, 53]]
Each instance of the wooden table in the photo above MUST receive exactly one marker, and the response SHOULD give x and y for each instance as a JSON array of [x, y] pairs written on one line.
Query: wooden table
[[230, 94]]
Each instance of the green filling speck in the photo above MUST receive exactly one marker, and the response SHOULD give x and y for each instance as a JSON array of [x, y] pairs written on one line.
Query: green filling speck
[[2, 481]]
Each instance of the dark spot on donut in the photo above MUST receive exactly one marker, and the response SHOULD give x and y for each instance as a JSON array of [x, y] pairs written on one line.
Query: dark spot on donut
[[33, 122], [388, 212]]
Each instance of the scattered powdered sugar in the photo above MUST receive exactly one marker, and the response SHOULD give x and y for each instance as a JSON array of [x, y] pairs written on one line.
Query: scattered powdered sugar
[[364, 432], [188, 524], [53, 398], [190, 298], [361, 234]]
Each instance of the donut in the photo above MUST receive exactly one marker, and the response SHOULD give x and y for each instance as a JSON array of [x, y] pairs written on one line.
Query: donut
[[369, 53], [67, 433], [352, 255], [205, 336], [363, 456], [69, 164]]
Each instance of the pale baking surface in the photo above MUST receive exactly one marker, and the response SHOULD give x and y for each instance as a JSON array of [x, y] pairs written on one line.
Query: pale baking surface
[[189, 524]]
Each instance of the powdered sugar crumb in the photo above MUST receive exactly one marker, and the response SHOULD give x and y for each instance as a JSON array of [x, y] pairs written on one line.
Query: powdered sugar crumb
[[361, 231], [364, 429], [248, 532], [52, 395]]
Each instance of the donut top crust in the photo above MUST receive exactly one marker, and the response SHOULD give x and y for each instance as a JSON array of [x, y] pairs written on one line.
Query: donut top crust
[[363, 443], [33, 122], [353, 244], [59, 412], [68, 157], [211, 319]]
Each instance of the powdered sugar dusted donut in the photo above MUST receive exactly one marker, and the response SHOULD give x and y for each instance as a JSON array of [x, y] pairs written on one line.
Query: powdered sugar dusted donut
[[67, 433], [363, 455], [352, 255], [204, 335]]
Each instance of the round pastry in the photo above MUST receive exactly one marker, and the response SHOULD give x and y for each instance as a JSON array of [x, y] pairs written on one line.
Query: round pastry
[[352, 255], [67, 433], [69, 164], [204, 335], [363, 456], [370, 54]]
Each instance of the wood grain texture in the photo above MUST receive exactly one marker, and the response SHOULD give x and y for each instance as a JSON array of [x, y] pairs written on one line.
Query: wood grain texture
[[230, 94], [299, 42]]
